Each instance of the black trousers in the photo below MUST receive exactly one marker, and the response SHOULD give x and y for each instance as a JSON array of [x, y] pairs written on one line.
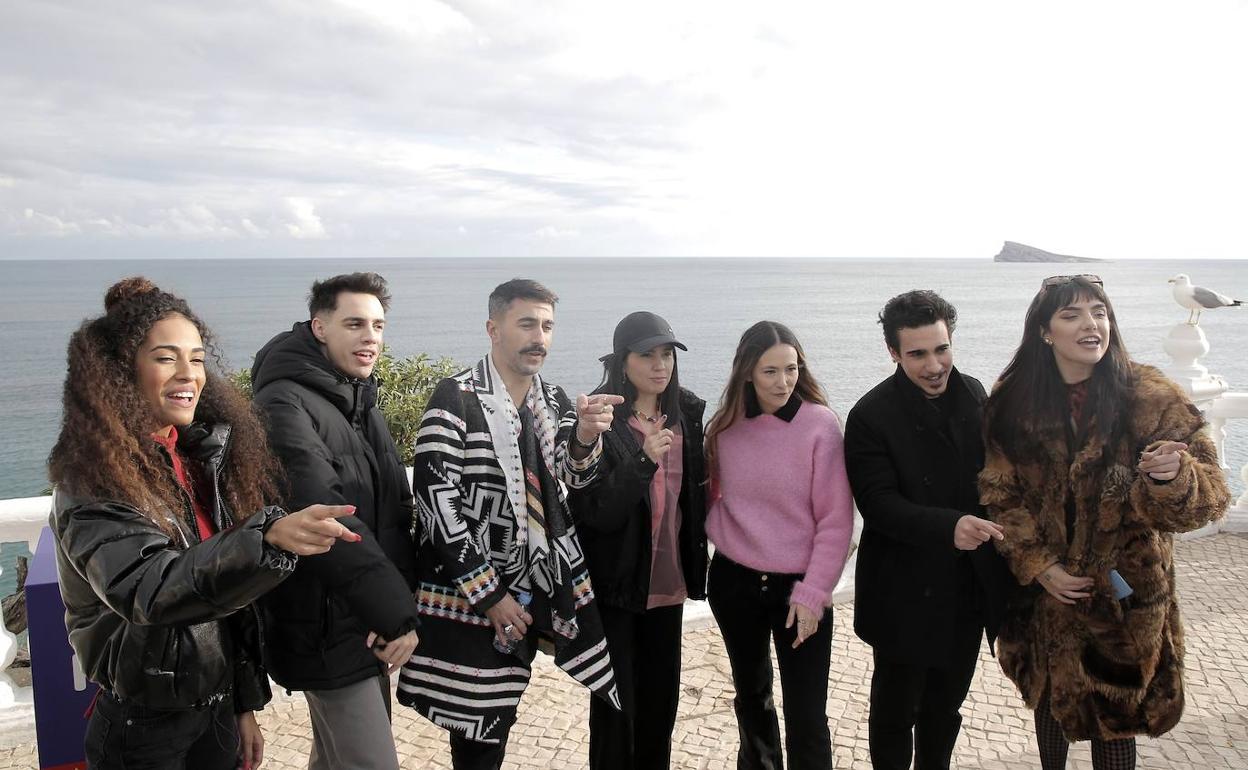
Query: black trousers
[[645, 654], [474, 755], [923, 700], [122, 734], [751, 609]]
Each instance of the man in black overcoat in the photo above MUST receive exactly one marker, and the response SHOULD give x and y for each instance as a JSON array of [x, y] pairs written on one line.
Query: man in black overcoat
[[928, 581]]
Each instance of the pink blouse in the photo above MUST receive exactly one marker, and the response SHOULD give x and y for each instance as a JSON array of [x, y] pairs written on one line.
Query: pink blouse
[[667, 580]]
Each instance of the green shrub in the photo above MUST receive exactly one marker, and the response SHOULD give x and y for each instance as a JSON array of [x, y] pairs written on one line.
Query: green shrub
[[406, 384]]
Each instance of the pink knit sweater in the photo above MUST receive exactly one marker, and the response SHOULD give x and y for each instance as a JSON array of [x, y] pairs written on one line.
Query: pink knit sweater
[[783, 502]]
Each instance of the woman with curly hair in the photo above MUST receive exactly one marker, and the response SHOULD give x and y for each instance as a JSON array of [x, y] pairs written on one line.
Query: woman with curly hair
[[164, 539], [1092, 462], [781, 517]]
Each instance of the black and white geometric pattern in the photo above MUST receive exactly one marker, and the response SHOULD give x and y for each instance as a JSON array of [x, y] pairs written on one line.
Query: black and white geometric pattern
[[477, 539]]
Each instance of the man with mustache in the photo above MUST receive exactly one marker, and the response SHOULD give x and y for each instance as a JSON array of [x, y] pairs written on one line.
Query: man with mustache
[[500, 568], [344, 620], [928, 579]]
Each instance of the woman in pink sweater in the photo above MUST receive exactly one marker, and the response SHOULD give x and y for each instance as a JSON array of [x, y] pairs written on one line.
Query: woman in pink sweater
[[781, 517]]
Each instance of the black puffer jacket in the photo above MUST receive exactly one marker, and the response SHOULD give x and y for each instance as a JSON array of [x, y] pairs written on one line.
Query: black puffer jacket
[[335, 448], [156, 619], [613, 515]]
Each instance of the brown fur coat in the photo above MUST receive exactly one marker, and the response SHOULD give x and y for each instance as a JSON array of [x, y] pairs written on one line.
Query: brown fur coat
[[1112, 674]]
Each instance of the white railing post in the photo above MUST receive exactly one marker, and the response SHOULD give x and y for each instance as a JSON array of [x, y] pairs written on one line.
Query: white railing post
[[1231, 406], [21, 521], [1186, 344], [1237, 514], [1217, 431]]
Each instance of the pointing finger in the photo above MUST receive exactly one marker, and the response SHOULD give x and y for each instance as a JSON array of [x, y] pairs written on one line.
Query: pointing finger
[[322, 512], [608, 399], [349, 536], [332, 530]]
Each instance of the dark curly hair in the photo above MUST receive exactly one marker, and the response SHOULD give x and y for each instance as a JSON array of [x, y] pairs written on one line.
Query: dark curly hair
[[104, 449], [916, 308]]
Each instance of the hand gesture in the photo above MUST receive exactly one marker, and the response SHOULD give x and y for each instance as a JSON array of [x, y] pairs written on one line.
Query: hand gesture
[[593, 415], [511, 621], [1163, 462], [1063, 586], [312, 530], [971, 532], [807, 622], [393, 654], [658, 439]]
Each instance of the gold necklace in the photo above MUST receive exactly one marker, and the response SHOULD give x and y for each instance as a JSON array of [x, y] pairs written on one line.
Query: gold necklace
[[645, 416]]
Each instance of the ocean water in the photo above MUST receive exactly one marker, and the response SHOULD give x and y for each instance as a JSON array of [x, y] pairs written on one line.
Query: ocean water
[[440, 307]]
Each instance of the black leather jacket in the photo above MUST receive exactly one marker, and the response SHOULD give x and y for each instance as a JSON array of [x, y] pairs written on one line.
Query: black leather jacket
[[156, 619]]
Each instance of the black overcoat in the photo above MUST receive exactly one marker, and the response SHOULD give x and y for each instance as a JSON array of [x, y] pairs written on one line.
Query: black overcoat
[[912, 481]]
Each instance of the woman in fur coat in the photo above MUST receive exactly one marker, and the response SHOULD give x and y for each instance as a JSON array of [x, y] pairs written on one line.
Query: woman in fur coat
[[1092, 462]]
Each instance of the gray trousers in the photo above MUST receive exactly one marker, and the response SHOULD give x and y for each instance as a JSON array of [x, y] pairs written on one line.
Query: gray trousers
[[351, 727]]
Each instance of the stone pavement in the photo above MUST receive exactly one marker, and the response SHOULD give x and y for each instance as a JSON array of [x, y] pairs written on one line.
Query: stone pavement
[[996, 734]]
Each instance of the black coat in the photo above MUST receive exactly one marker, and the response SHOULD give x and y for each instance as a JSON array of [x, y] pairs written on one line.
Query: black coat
[[613, 515], [164, 621], [334, 446], [912, 484]]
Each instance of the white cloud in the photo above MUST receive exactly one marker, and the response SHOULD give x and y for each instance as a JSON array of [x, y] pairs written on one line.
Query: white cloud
[[39, 223], [306, 223], [552, 233], [894, 128]]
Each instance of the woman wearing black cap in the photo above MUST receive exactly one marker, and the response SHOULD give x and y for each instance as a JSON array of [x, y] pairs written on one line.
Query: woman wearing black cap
[[642, 528]]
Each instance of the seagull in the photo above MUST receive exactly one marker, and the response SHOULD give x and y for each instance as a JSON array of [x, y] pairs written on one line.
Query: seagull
[[1197, 298]]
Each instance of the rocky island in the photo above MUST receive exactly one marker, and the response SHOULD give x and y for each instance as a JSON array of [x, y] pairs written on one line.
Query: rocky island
[[1019, 252]]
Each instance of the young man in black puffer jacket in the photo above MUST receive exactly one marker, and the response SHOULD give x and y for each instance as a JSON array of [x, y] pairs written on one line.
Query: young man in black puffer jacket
[[344, 620]]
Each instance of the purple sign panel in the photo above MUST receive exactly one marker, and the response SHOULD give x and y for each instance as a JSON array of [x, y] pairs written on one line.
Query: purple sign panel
[[62, 692]]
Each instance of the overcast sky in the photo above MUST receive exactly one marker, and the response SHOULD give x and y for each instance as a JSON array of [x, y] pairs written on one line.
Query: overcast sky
[[878, 128]]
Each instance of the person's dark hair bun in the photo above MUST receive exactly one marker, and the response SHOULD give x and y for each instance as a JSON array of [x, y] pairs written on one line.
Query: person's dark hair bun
[[127, 289]]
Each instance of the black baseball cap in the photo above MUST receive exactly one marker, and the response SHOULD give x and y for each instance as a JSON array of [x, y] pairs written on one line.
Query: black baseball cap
[[642, 331]]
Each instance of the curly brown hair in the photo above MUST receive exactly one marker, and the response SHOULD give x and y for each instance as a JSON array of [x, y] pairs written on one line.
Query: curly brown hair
[[105, 449]]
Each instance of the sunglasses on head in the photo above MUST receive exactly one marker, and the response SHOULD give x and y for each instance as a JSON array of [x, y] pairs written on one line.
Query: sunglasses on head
[[1058, 280]]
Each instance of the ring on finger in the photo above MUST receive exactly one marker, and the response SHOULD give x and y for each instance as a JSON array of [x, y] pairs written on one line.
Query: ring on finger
[[507, 629]]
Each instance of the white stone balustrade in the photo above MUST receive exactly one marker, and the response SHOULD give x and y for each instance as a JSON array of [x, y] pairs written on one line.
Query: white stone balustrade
[[21, 521], [1186, 344], [1230, 406]]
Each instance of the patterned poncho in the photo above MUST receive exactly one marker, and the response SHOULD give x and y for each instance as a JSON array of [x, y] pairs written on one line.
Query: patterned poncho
[[483, 532]]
